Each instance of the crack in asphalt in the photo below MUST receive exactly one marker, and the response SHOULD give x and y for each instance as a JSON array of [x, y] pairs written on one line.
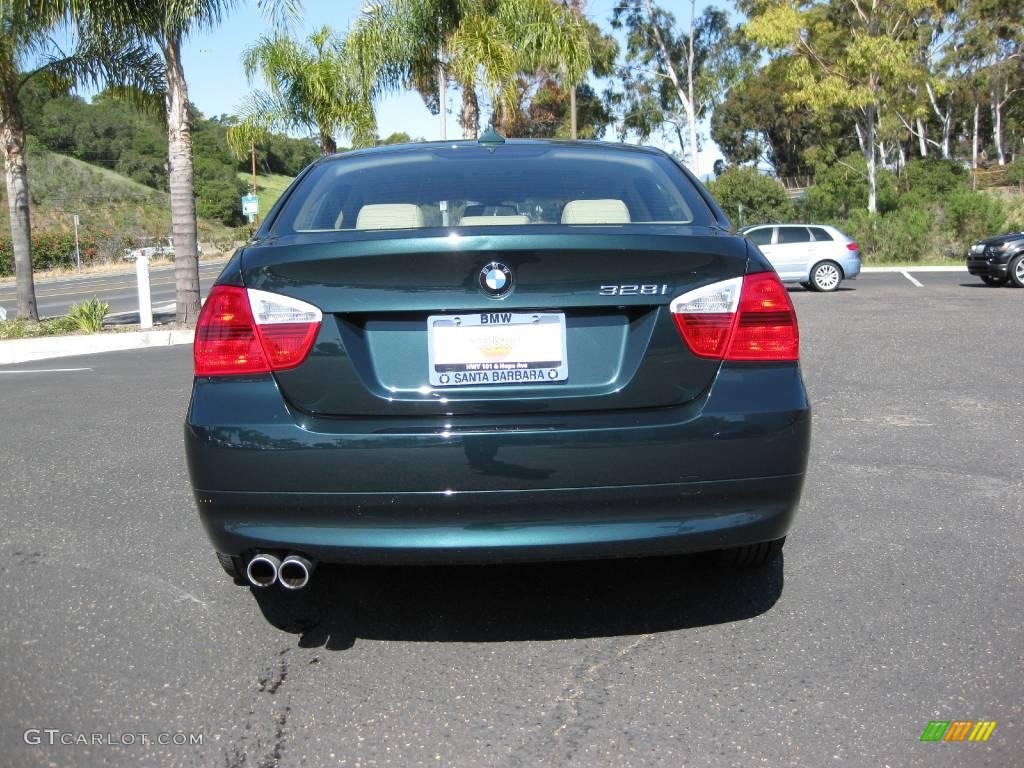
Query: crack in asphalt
[[567, 704], [269, 755]]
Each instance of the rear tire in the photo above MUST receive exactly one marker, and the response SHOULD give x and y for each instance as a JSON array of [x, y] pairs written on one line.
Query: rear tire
[[1017, 270], [232, 567], [826, 276], [752, 555], [995, 282]]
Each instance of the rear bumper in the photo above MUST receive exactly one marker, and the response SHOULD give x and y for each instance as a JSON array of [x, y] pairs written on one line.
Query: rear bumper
[[722, 471], [850, 264]]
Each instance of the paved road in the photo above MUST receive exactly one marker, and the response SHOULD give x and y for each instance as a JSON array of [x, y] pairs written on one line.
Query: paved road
[[54, 297], [899, 602]]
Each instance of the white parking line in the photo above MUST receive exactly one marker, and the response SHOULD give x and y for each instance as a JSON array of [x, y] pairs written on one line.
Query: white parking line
[[911, 278], [49, 370]]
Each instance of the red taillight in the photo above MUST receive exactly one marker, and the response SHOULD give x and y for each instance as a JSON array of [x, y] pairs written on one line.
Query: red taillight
[[705, 334], [766, 326], [851, 246], [232, 340], [749, 319]]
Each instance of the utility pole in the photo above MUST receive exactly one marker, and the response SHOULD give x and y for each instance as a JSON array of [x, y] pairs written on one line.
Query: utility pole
[[252, 150]]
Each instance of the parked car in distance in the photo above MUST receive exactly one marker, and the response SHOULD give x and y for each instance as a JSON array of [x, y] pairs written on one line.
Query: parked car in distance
[[998, 260], [163, 246], [817, 256], [494, 351]]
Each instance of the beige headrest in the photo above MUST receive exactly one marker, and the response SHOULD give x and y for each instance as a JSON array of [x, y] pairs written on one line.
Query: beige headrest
[[389, 216], [595, 212], [479, 221]]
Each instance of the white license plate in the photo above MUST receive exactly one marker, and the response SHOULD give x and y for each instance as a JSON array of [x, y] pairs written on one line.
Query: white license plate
[[496, 348]]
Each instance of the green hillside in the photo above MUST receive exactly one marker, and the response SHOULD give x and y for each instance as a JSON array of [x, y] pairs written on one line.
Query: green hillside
[[268, 186], [112, 209]]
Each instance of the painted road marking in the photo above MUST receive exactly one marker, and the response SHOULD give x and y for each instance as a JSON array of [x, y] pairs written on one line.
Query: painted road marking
[[48, 370], [99, 289], [98, 285], [911, 278], [157, 309]]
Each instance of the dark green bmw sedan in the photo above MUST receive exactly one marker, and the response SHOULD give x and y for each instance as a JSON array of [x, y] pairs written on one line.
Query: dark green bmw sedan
[[495, 351]]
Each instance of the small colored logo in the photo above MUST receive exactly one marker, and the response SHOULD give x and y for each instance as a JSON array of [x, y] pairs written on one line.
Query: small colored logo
[[958, 730], [496, 279]]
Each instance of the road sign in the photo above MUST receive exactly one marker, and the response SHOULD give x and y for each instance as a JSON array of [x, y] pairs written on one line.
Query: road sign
[[250, 205]]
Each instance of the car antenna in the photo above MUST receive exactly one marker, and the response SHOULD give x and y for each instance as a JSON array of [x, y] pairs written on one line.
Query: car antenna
[[491, 138]]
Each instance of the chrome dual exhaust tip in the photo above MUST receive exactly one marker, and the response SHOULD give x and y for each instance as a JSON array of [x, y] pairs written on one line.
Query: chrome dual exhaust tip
[[294, 572], [262, 570], [291, 573]]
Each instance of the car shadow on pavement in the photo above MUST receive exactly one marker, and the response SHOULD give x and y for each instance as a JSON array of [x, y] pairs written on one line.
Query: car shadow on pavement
[[498, 603]]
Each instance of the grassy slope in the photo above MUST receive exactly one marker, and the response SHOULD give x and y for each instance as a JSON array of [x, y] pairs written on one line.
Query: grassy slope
[[105, 201], [268, 186]]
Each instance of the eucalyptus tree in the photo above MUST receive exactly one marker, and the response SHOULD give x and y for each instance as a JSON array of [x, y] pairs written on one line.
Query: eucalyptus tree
[[848, 54], [98, 54], [311, 85], [424, 43], [674, 75]]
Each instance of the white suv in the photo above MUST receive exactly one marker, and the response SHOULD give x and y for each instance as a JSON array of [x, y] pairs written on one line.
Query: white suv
[[815, 255]]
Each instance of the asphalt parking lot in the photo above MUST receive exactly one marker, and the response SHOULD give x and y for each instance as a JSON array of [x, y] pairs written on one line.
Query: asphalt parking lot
[[900, 599]]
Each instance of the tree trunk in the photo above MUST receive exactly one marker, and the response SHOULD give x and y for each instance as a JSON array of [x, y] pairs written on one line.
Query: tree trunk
[[442, 96], [869, 156], [997, 126], [974, 133], [572, 111], [469, 118], [692, 116], [328, 146], [946, 116], [12, 132], [182, 183], [679, 137], [922, 138]]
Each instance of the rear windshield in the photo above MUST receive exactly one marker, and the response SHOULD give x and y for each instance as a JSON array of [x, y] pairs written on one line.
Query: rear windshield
[[509, 185]]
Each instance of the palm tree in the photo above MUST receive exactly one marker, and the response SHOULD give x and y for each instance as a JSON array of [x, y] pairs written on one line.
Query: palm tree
[[398, 44], [27, 51], [312, 86], [489, 42], [164, 25]]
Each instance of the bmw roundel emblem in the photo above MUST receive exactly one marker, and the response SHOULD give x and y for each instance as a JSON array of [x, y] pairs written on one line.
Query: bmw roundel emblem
[[496, 279]]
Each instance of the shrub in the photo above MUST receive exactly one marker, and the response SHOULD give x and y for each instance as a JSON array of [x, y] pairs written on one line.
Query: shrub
[[89, 314], [931, 179], [18, 328], [1015, 171], [762, 198], [975, 215], [842, 189], [49, 250], [904, 235]]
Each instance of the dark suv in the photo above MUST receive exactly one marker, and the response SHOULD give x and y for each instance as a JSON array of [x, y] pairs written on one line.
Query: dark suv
[[998, 260]]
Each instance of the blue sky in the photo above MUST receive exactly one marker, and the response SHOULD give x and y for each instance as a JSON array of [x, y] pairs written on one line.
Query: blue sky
[[217, 84]]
